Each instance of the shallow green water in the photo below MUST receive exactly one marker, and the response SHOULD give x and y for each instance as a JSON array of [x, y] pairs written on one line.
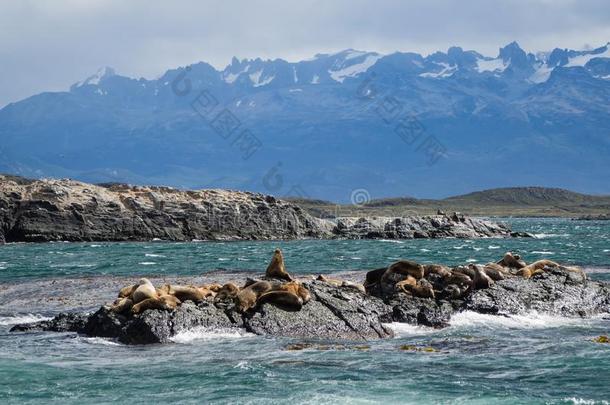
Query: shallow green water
[[530, 358]]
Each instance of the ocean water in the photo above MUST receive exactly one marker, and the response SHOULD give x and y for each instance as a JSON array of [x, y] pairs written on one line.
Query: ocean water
[[530, 358]]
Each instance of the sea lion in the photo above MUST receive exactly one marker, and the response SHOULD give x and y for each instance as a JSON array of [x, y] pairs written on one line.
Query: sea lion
[[423, 289], [165, 302], [452, 292], [439, 269], [481, 280], [355, 286], [186, 293], [144, 291], [297, 289], [214, 287], [538, 267], [406, 267], [206, 292], [248, 296], [229, 290], [512, 261], [276, 268], [127, 291], [461, 280], [163, 290], [495, 271], [121, 305], [285, 300], [374, 276], [406, 285], [332, 281], [464, 270]]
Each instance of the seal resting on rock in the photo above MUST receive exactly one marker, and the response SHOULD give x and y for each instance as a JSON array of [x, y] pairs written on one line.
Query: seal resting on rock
[[248, 296], [341, 283], [406, 267], [495, 271], [228, 291], [285, 300], [144, 291], [186, 293], [166, 302], [121, 305], [439, 269], [276, 268]]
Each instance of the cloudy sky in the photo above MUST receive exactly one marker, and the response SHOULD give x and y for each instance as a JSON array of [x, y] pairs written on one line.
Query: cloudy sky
[[48, 45]]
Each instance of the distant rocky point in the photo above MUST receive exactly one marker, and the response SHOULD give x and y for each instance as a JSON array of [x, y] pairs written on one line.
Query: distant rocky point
[[68, 210]]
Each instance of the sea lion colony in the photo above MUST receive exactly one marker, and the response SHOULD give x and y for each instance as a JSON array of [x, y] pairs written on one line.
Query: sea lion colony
[[432, 281]]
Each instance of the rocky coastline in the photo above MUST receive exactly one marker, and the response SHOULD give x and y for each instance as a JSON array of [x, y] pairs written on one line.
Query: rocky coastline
[[333, 308], [67, 210]]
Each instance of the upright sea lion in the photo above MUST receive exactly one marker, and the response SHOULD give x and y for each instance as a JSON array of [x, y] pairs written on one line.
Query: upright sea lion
[[165, 302], [144, 291], [248, 296], [229, 290], [276, 268], [481, 280]]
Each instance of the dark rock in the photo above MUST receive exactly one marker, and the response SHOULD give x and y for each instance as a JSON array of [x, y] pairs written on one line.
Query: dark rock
[[64, 322], [555, 291]]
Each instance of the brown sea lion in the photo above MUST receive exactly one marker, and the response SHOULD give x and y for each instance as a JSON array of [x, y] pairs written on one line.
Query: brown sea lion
[[464, 270], [512, 260], [165, 302], [206, 292], [229, 290], [453, 292], [406, 285], [374, 276], [439, 269], [144, 291], [423, 289], [481, 280], [248, 296], [461, 280], [214, 287], [297, 289], [355, 286], [406, 267], [186, 293], [121, 305], [495, 271], [163, 290], [127, 291], [276, 268], [538, 267], [332, 281], [285, 300]]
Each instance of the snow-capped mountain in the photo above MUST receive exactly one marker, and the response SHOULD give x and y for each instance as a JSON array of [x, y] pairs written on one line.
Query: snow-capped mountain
[[331, 124]]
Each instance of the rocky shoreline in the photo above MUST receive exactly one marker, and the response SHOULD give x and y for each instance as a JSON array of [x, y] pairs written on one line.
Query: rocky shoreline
[[334, 308], [67, 210]]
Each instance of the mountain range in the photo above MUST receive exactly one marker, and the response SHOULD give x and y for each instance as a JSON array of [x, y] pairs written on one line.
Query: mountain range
[[336, 126]]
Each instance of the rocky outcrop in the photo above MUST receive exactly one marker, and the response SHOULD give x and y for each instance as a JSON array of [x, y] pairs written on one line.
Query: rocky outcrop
[[332, 313], [51, 210], [344, 312], [437, 226]]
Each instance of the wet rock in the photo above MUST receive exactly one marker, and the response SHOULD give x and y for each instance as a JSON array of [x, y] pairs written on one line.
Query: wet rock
[[64, 322], [555, 291]]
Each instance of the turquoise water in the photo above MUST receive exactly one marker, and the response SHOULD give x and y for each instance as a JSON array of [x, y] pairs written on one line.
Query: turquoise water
[[530, 358]]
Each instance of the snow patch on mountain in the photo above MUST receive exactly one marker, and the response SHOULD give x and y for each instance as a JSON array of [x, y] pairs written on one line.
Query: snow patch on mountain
[[491, 65], [95, 80], [355, 69], [582, 60], [446, 71]]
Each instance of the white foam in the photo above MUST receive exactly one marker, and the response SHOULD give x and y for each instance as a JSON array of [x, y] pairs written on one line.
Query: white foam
[[582, 401], [206, 334], [548, 235], [153, 255], [24, 318], [405, 329], [493, 247], [101, 341], [532, 320], [147, 263], [543, 252], [391, 241]]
